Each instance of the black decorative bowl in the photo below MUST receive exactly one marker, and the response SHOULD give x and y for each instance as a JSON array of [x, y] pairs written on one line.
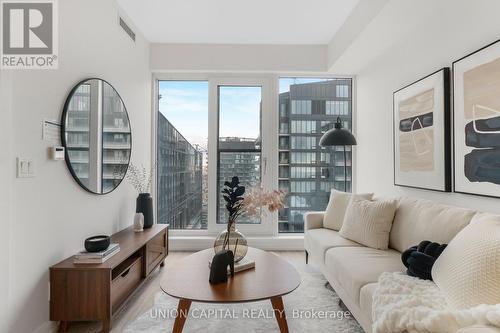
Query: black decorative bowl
[[97, 243]]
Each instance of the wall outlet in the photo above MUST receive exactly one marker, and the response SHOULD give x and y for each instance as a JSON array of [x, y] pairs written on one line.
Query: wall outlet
[[25, 167]]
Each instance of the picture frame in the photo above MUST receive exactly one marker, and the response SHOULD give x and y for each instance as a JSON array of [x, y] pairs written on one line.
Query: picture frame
[[476, 122], [421, 133]]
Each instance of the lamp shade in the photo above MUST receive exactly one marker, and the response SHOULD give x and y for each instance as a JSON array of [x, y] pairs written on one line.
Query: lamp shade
[[337, 136]]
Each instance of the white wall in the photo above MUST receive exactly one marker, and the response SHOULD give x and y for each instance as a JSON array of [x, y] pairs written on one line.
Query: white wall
[[362, 14], [406, 41], [238, 58], [6, 167], [51, 214]]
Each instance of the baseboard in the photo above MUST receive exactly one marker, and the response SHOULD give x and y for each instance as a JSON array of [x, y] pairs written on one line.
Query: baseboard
[[47, 327], [291, 243]]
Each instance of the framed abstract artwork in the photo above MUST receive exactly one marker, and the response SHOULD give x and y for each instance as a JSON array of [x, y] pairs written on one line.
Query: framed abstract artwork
[[422, 139], [476, 122]]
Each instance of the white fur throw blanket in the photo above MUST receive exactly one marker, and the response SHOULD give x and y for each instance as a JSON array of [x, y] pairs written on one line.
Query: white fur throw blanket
[[402, 303]]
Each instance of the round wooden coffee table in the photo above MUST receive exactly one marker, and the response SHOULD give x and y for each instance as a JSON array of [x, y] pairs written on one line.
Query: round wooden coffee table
[[271, 278]]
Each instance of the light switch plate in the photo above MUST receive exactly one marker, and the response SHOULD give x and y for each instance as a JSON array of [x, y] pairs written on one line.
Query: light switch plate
[[25, 167]]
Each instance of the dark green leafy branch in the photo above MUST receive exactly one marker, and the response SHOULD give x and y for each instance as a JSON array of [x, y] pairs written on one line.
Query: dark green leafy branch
[[233, 195]]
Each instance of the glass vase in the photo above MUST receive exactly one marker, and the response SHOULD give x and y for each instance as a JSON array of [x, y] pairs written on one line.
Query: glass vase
[[232, 240]]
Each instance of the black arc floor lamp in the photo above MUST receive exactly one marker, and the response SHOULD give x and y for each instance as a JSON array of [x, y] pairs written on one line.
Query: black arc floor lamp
[[339, 136]]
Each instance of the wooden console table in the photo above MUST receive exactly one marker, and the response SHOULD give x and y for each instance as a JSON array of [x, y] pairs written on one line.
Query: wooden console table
[[92, 292]]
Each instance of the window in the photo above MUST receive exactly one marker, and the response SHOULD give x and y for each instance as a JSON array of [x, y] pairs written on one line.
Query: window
[[239, 145], [299, 201], [212, 129], [301, 107], [342, 90], [283, 158], [284, 128], [284, 143], [303, 126], [303, 142], [302, 186], [182, 141], [325, 158], [337, 108], [312, 171], [283, 110], [303, 172], [303, 158]]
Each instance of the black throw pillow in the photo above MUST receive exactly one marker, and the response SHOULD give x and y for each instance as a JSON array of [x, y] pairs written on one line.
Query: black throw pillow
[[419, 259]]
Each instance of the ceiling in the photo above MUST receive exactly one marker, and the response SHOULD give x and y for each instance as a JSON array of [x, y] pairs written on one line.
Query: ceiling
[[238, 21]]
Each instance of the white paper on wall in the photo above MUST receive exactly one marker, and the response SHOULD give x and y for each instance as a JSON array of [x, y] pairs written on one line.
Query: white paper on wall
[[51, 132]]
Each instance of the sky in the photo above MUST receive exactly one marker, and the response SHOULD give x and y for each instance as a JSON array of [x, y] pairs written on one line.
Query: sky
[[185, 105]]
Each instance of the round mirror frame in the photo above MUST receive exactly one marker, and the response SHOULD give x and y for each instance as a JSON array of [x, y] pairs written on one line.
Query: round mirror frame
[[63, 135]]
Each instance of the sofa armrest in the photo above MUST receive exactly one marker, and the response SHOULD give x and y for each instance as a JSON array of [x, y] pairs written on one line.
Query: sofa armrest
[[313, 220], [479, 329]]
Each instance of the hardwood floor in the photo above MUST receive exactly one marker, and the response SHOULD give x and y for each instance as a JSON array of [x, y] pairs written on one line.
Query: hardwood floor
[[143, 299]]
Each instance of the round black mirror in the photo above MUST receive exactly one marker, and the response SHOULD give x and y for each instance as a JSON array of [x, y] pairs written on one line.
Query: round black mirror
[[96, 135]]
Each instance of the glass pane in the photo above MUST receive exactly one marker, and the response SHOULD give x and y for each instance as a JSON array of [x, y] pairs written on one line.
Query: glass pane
[[239, 142], [77, 132], [116, 139], [182, 154], [308, 107]]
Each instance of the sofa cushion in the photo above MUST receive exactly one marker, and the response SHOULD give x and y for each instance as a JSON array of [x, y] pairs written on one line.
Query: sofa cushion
[[337, 205], [354, 267], [366, 298], [318, 241], [369, 222], [416, 220], [468, 270]]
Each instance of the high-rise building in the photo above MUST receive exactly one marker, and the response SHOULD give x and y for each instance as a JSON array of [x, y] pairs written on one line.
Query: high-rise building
[[180, 179], [238, 157], [307, 171]]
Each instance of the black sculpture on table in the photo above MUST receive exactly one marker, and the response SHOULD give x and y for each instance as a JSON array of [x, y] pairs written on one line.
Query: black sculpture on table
[[220, 262]]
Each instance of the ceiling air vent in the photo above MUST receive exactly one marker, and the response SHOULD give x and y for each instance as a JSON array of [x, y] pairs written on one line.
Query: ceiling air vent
[[127, 29]]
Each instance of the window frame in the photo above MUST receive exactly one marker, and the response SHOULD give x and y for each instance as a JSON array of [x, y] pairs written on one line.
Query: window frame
[[235, 151], [270, 125], [268, 134]]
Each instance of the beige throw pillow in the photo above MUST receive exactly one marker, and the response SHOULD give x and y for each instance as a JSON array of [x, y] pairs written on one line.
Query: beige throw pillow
[[369, 222], [468, 270], [335, 211]]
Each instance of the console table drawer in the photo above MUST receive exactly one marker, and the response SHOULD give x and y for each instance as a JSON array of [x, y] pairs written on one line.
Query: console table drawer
[[156, 250], [125, 282]]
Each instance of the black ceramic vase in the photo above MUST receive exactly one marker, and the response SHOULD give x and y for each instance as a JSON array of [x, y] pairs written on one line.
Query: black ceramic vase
[[145, 206]]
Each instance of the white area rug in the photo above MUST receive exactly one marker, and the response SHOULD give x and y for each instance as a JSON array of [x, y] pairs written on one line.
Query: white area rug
[[310, 308]]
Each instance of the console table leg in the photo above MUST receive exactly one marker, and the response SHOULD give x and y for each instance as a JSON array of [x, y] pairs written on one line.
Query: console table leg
[[63, 326], [162, 263], [279, 312], [182, 313], [106, 326]]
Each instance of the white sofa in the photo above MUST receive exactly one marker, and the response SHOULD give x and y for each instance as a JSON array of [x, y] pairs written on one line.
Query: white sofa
[[353, 269]]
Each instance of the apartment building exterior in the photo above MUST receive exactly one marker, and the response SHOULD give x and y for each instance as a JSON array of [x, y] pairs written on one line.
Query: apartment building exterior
[[238, 157], [179, 178], [307, 171]]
